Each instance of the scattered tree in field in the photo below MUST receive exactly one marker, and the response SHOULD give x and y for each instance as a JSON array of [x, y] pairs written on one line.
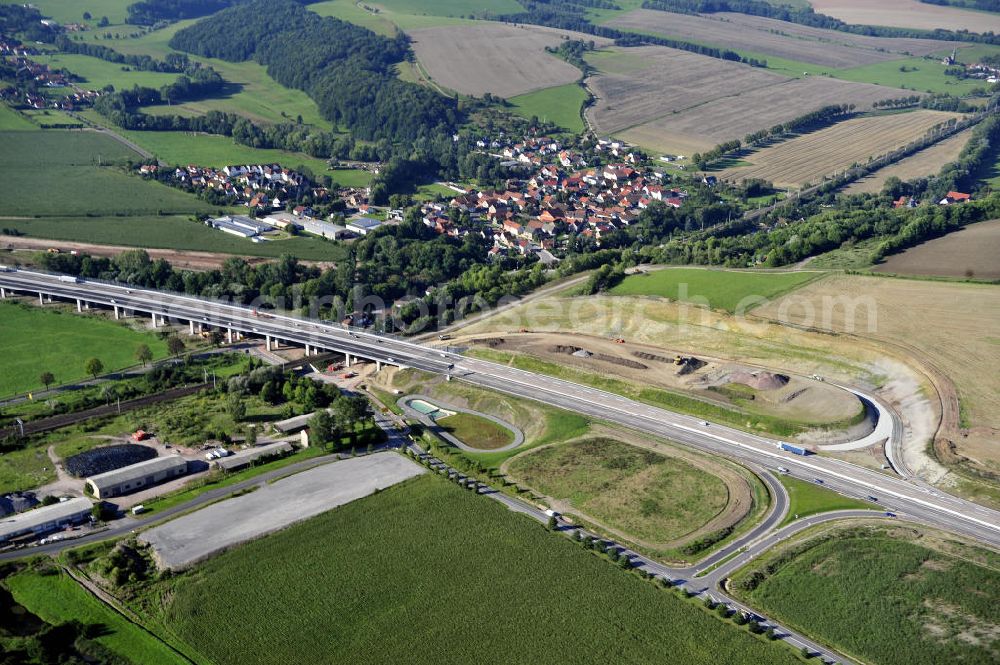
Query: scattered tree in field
[[46, 379], [86, 16], [251, 435], [217, 337], [175, 345], [553, 523], [93, 366], [143, 354], [323, 428], [806, 653], [236, 408]]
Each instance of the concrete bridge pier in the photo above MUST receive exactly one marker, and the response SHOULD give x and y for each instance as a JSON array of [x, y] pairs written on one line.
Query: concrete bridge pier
[[347, 360], [117, 313], [41, 298], [229, 335], [378, 365], [3, 293], [267, 342], [79, 305]]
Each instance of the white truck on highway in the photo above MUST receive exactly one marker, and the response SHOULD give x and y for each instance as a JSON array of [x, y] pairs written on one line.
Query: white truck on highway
[[69, 279]]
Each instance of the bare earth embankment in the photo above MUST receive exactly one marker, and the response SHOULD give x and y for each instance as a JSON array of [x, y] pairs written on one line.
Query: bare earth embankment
[[807, 158], [950, 329], [907, 14], [501, 59], [772, 37]]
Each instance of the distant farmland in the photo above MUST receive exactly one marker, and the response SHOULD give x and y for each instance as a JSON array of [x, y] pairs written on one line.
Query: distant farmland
[[924, 163], [771, 37], [907, 14], [501, 59], [807, 158], [675, 101], [969, 252]]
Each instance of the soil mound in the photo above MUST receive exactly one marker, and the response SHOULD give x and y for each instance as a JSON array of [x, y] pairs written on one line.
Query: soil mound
[[759, 380]]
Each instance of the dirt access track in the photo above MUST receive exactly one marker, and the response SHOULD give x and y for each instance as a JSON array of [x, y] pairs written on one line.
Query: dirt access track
[[187, 260]]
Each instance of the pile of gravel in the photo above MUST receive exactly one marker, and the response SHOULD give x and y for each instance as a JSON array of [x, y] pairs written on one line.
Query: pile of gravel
[[108, 458]]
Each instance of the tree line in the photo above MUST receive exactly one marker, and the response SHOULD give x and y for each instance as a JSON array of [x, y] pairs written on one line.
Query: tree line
[[151, 12], [172, 63]]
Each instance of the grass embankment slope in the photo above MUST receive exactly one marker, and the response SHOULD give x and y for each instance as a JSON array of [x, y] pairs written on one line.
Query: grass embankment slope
[[651, 497], [476, 431], [892, 596], [806, 498], [37, 340], [481, 583], [727, 290], [560, 105], [56, 598]]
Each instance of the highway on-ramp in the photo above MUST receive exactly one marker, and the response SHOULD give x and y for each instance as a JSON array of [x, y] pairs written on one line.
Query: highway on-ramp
[[905, 497]]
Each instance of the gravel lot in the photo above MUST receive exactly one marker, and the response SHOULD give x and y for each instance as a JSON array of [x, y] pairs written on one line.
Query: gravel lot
[[201, 534]]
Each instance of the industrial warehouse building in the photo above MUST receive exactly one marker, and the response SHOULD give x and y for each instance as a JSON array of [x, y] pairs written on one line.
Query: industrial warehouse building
[[45, 519], [245, 458], [137, 476]]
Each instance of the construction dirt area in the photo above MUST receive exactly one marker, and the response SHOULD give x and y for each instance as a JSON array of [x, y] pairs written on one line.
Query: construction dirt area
[[198, 535], [791, 397], [946, 331]]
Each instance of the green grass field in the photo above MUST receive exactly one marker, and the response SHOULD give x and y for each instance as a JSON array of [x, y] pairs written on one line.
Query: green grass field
[[476, 431], [57, 598], [719, 289], [71, 11], [560, 105], [889, 600], [808, 498], [40, 340], [98, 73], [51, 118], [921, 74], [649, 496], [171, 232], [451, 7], [347, 10], [427, 572], [13, 121]]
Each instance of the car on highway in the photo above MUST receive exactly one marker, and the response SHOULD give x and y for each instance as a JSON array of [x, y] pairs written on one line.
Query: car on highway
[[873, 498], [818, 481], [888, 514], [782, 469]]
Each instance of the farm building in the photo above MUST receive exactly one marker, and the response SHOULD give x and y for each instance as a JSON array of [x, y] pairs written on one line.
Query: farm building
[[245, 458], [137, 476], [45, 519]]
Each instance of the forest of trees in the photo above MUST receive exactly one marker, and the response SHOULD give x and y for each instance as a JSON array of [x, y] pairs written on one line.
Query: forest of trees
[[149, 12], [346, 69]]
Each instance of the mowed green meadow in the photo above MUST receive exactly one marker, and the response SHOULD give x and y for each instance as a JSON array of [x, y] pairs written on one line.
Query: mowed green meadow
[[71, 11], [13, 121], [40, 340], [889, 600], [807, 498], [426, 572], [560, 105], [647, 495], [56, 598], [719, 289]]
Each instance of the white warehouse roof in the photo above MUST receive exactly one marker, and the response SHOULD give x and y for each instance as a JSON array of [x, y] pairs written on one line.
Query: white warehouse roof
[[136, 471], [31, 520]]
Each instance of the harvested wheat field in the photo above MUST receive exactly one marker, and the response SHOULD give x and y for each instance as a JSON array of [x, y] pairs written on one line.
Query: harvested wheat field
[[660, 81], [951, 329], [907, 14], [501, 59], [972, 252], [733, 117], [924, 163], [776, 38], [807, 158]]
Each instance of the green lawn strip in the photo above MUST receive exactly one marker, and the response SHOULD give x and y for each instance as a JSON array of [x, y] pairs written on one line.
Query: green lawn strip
[[476, 431], [560, 105], [550, 586], [934, 604], [40, 339], [57, 598], [654, 396], [807, 498], [728, 290], [918, 74], [171, 232], [97, 73], [71, 11]]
